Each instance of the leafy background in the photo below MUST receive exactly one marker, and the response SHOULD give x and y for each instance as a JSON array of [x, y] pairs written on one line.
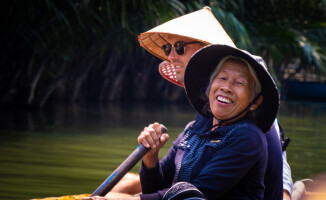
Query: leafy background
[[87, 50]]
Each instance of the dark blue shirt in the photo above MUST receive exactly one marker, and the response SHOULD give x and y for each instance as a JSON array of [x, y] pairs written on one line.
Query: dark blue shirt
[[227, 163]]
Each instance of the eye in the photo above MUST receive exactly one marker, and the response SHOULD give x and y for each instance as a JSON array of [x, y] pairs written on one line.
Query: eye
[[222, 77], [240, 82]]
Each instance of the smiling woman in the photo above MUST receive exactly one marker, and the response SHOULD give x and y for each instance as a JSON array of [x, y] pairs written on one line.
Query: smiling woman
[[223, 153]]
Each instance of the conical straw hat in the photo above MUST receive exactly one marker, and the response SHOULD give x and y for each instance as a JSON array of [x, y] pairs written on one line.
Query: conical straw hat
[[200, 25]]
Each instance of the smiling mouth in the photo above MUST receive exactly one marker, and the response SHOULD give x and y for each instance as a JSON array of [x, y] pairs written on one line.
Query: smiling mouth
[[224, 100], [176, 67]]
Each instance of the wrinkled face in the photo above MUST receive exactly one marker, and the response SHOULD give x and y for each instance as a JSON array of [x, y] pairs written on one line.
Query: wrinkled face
[[232, 90], [179, 62]]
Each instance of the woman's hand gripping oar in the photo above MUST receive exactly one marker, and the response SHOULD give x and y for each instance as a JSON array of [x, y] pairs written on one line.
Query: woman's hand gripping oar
[[123, 168]]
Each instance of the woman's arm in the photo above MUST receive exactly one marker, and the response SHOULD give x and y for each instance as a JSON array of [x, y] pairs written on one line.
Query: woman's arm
[[160, 177], [287, 178]]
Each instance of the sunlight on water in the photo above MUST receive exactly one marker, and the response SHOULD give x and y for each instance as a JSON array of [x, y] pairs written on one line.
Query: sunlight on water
[[305, 124], [71, 150]]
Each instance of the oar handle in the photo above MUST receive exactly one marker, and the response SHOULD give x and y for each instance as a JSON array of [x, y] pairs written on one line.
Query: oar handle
[[123, 168]]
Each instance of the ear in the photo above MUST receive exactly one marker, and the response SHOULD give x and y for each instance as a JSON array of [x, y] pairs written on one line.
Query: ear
[[256, 104]]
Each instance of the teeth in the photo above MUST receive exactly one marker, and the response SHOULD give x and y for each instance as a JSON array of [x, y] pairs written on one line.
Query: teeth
[[176, 66], [224, 100]]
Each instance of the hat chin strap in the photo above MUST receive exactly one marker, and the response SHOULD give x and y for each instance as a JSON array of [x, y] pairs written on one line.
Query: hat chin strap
[[221, 122]]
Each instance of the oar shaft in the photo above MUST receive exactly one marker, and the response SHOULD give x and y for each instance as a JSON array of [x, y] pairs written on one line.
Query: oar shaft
[[123, 168], [117, 175]]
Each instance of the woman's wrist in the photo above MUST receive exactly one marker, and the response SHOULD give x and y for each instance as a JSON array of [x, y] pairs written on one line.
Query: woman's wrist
[[150, 163]]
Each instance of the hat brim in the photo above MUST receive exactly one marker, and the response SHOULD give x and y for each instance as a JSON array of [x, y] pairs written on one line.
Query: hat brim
[[153, 42], [201, 66], [199, 25]]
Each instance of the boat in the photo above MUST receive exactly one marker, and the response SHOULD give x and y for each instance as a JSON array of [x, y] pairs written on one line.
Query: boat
[[67, 197], [304, 90], [306, 195], [303, 85]]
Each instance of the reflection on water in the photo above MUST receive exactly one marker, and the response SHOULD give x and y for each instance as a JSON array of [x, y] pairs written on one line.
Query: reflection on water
[[71, 149], [305, 124]]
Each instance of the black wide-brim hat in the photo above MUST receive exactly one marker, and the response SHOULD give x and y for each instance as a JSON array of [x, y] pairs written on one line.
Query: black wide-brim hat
[[201, 66]]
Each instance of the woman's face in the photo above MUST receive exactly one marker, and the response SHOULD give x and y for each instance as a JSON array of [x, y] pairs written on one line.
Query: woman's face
[[232, 90]]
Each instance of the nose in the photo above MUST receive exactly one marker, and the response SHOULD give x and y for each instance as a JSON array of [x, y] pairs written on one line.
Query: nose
[[173, 54], [227, 87]]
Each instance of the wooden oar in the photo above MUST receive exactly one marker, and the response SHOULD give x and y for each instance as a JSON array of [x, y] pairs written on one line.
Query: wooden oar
[[123, 168]]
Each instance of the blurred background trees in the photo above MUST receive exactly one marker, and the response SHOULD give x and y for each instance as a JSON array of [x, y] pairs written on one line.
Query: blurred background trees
[[87, 50]]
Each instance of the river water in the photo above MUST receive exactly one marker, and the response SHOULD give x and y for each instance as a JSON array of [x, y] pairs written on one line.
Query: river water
[[71, 149]]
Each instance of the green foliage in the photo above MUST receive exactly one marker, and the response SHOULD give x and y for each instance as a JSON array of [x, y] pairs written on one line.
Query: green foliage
[[87, 50], [67, 45], [286, 31]]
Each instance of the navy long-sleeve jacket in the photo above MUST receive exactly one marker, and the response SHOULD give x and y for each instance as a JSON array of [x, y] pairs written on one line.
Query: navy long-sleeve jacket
[[227, 163]]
